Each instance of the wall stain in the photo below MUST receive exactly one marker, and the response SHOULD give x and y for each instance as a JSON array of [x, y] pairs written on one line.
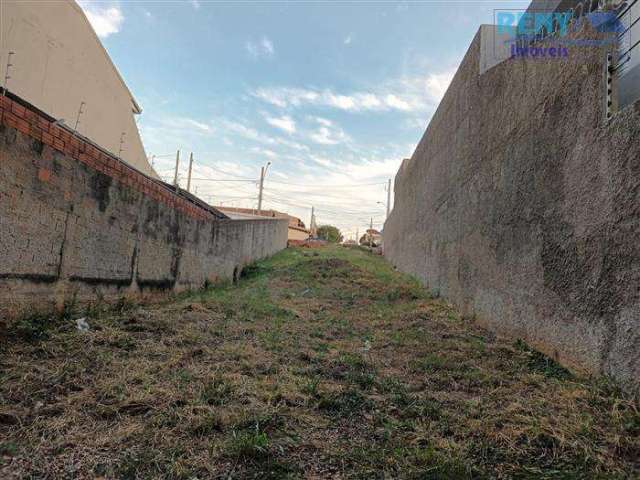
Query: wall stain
[[99, 187]]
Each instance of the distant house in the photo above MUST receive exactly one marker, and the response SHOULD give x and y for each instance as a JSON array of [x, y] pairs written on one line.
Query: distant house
[[297, 228], [371, 238]]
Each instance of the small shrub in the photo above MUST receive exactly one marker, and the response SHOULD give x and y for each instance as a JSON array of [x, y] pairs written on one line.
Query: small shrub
[[247, 445], [33, 327], [254, 270]]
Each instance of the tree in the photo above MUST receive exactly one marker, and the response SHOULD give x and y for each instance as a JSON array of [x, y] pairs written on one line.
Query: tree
[[329, 233]]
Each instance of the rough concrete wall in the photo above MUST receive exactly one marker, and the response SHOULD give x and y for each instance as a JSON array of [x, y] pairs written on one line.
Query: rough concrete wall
[[71, 228], [522, 206]]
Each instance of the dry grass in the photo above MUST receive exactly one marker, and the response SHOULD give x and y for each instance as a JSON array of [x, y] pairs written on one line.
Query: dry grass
[[319, 364]]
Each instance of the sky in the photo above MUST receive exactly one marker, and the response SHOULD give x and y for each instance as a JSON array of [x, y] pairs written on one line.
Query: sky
[[333, 94]]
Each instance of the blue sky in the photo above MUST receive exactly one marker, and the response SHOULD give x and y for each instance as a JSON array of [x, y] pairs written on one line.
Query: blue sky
[[333, 94]]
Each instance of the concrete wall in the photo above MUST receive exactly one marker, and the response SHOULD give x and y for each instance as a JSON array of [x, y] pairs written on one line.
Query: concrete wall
[[297, 234], [59, 62], [522, 206], [76, 222]]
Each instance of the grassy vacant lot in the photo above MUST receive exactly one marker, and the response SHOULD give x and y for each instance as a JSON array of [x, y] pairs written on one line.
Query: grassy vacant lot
[[319, 364]]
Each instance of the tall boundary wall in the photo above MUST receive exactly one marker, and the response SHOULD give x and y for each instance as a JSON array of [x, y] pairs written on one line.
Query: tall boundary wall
[[76, 223], [521, 206]]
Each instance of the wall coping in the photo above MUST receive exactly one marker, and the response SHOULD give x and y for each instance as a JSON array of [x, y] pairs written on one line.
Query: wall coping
[[19, 114]]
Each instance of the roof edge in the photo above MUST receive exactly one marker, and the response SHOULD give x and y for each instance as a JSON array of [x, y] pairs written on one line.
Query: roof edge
[[136, 106]]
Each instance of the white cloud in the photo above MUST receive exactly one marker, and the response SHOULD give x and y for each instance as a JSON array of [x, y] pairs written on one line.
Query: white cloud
[[348, 40], [261, 49], [323, 136], [324, 121], [252, 134], [164, 133], [325, 162], [395, 102], [105, 19], [415, 122], [267, 46], [328, 133], [406, 94], [284, 123], [185, 123], [195, 4], [270, 154], [437, 83]]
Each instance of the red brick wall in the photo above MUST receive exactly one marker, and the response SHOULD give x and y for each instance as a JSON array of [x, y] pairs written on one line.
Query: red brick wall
[[36, 125]]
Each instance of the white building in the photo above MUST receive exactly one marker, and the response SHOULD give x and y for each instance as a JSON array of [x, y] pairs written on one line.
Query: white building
[[59, 63]]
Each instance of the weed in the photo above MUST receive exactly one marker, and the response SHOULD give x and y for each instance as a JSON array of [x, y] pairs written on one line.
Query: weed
[[218, 391], [135, 465], [247, 445], [311, 387], [34, 327], [540, 363], [206, 424], [254, 270], [9, 449], [123, 305], [184, 376], [432, 364], [344, 403]]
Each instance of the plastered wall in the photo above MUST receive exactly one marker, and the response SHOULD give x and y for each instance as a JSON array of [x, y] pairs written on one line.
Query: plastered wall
[[521, 205]]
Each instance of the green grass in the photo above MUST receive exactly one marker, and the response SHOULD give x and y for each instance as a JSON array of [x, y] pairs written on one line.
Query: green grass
[[321, 363]]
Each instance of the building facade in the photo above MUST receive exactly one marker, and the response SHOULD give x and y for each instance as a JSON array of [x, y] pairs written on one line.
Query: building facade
[[60, 66]]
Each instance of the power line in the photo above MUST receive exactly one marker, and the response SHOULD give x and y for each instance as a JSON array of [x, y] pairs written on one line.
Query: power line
[[318, 185], [330, 206], [221, 180], [353, 215]]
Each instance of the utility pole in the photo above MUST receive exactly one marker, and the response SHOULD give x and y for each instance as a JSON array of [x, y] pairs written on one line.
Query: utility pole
[[260, 191], [370, 234], [388, 198], [263, 172], [189, 176], [358, 236], [175, 175], [311, 221]]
